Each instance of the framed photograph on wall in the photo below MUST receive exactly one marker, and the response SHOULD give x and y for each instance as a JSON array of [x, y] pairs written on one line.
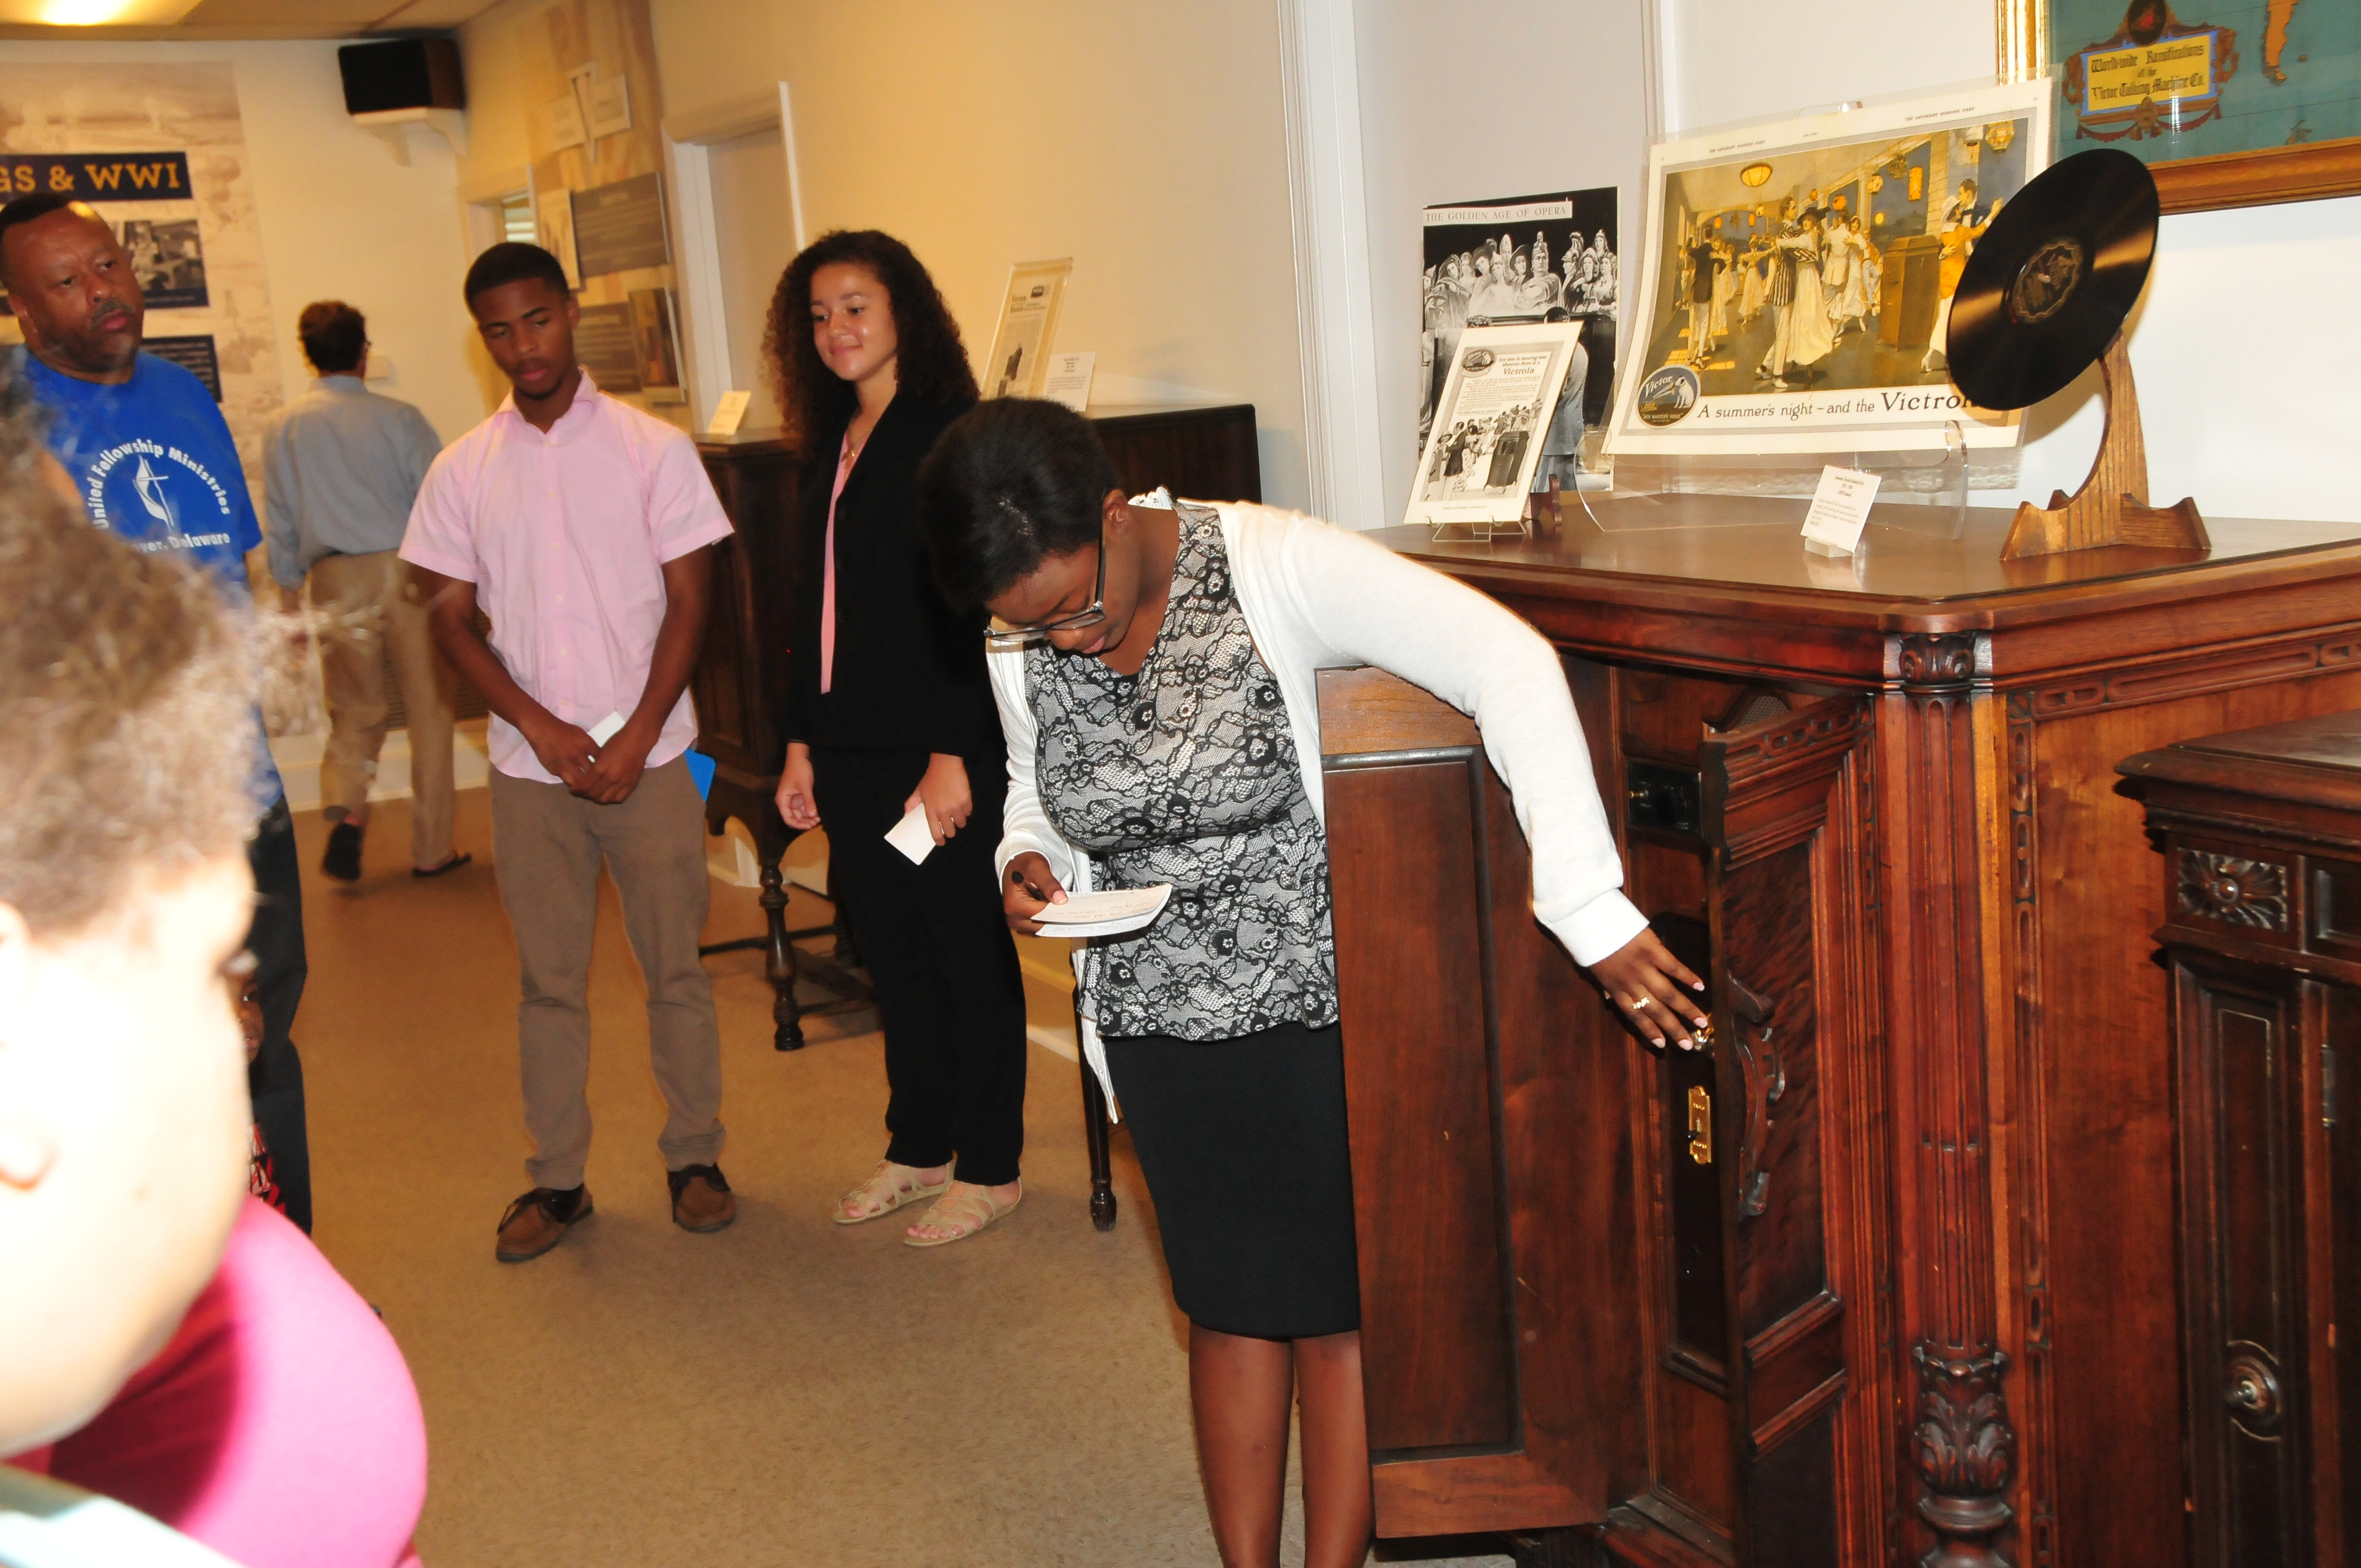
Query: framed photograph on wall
[[1477, 464], [1027, 329], [2230, 103]]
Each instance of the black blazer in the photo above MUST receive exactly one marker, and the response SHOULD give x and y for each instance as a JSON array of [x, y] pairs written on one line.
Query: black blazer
[[908, 673]]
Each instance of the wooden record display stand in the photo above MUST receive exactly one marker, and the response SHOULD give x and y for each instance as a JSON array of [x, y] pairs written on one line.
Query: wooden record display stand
[[2111, 507], [1891, 1269]]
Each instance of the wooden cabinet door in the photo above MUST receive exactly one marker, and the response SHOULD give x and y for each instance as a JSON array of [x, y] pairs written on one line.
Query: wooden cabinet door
[[1492, 1154], [1749, 1337], [2255, 1087]]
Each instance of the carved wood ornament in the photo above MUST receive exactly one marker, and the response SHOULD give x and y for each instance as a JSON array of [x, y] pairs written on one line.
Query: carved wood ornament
[[2234, 891], [1965, 1448]]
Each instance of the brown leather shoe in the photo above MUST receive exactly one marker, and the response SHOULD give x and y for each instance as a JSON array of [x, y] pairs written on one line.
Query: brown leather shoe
[[539, 1220], [701, 1200]]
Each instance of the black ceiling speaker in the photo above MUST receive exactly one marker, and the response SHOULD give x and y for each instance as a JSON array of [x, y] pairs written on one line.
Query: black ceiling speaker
[[401, 73]]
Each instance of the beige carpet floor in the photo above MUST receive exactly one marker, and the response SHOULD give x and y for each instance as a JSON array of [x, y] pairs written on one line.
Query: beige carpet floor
[[787, 1392]]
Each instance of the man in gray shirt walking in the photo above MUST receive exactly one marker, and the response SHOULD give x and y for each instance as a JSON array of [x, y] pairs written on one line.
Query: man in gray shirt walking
[[341, 466]]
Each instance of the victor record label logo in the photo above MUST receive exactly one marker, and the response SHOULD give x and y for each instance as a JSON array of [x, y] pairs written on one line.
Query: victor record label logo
[[1667, 395]]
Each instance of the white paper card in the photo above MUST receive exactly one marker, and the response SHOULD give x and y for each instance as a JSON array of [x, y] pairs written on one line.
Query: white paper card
[[1116, 912], [566, 127], [604, 731], [1840, 511], [912, 836], [1068, 379], [728, 413], [611, 106]]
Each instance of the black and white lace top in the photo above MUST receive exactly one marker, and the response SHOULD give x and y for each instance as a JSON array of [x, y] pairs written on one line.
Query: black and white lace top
[[1187, 772]]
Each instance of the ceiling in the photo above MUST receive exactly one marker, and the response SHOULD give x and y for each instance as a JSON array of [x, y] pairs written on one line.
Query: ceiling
[[210, 19]]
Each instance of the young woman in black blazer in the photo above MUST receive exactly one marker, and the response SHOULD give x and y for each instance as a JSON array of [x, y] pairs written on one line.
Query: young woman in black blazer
[[889, 709]]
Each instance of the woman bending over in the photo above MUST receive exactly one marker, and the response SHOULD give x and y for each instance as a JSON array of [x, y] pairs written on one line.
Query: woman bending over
[[1154, 665]]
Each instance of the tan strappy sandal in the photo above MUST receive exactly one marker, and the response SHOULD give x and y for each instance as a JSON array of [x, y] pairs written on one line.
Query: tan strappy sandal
[[973, 1210], [888, 1188]]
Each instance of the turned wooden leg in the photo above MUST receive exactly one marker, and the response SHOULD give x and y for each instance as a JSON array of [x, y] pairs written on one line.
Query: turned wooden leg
[[1094, 1133], [1965, 1446], [779, 962]]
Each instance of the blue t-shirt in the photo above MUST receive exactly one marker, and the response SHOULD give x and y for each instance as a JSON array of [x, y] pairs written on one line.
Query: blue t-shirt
[[156, 465]]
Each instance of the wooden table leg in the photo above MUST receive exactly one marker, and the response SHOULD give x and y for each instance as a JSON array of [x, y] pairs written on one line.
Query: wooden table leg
[[1094, 1132], [779, 962]]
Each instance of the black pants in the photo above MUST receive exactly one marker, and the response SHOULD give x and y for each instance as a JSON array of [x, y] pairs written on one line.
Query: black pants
[[937, 944], [276, 939]]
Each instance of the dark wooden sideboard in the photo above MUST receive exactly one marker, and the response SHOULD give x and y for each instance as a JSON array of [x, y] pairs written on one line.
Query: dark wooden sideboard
[[740, 681], [1892, 1268], [2261, 881]]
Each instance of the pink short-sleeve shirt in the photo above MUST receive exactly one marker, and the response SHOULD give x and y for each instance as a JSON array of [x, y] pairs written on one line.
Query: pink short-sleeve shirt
[[564, 536]]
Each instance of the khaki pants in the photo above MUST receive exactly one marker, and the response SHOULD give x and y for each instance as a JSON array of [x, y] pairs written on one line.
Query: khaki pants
[[374, 606], [548, 842]]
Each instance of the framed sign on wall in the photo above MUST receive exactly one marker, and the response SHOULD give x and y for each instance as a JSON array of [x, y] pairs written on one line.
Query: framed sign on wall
[[2230, 103]]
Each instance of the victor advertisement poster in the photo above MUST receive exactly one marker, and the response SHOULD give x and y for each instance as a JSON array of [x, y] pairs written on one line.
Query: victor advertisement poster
[[1796, 278], [1485, 444]]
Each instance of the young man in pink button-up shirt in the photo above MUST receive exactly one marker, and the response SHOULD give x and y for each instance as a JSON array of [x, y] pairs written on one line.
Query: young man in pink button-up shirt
[[585, 527]]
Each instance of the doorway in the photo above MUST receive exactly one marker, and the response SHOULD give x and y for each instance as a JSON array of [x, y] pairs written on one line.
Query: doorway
[[753, 240]]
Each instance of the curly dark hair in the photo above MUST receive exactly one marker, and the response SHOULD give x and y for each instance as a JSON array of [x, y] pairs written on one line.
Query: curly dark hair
[[930, 364], [1010, 484]]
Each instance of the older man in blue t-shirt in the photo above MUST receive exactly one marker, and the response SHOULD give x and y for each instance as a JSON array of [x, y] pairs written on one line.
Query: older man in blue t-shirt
[[151, 456]]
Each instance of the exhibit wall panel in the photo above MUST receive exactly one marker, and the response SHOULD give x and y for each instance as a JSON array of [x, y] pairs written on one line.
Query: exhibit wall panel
[[1147, 142], [2240, 345], [1433, 130], [339, 218], [521, 58]]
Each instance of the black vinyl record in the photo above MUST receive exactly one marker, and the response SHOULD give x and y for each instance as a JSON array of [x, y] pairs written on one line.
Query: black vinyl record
[[2048, 284]]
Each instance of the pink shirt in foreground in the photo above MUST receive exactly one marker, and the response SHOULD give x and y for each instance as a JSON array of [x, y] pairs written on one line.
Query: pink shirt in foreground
[[828, 572], [564, 536], [279, 1427]]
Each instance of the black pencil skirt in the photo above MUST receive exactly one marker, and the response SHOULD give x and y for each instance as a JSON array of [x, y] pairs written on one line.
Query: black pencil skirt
[[1243, 1144]]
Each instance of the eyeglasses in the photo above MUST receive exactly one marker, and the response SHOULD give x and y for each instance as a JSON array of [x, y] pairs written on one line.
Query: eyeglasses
[[1000, 637]]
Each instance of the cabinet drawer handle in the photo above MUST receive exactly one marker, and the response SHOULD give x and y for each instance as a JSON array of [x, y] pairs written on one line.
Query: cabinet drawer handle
[[2251, 1389]]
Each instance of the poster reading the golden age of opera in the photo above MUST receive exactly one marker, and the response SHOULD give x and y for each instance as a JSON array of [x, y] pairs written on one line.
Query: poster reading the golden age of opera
[[1795, 278]]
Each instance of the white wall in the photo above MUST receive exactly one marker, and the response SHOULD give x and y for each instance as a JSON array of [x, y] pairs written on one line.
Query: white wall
[[2241, 354], [1426, 141], [1145, 141], [340, 219]]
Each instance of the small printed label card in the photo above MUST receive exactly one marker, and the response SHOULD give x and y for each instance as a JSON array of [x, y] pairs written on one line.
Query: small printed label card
[[1840, 511], [1068, 379], [728, 413]]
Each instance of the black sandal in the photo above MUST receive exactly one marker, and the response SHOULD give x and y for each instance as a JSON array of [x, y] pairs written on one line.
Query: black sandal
[[453, 864]]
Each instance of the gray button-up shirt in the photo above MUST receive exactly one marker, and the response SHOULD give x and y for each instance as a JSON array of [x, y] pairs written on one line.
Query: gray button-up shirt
[[340, 468]]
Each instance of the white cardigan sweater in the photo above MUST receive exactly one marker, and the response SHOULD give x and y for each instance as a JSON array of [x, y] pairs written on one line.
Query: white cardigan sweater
[[1318, 597]]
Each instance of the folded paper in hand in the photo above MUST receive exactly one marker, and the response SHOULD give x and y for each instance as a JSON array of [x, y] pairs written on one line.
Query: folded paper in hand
[[604, 731], [1115, 913], [912, 836]]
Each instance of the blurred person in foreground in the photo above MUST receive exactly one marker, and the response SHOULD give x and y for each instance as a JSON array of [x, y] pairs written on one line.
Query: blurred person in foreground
[[584, 528], [153, 462], [246, 1399], [341, 466]]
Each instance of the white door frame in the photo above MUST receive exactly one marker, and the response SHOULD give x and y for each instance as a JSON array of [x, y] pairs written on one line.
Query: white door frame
[[704, 328], [1335, 322]]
